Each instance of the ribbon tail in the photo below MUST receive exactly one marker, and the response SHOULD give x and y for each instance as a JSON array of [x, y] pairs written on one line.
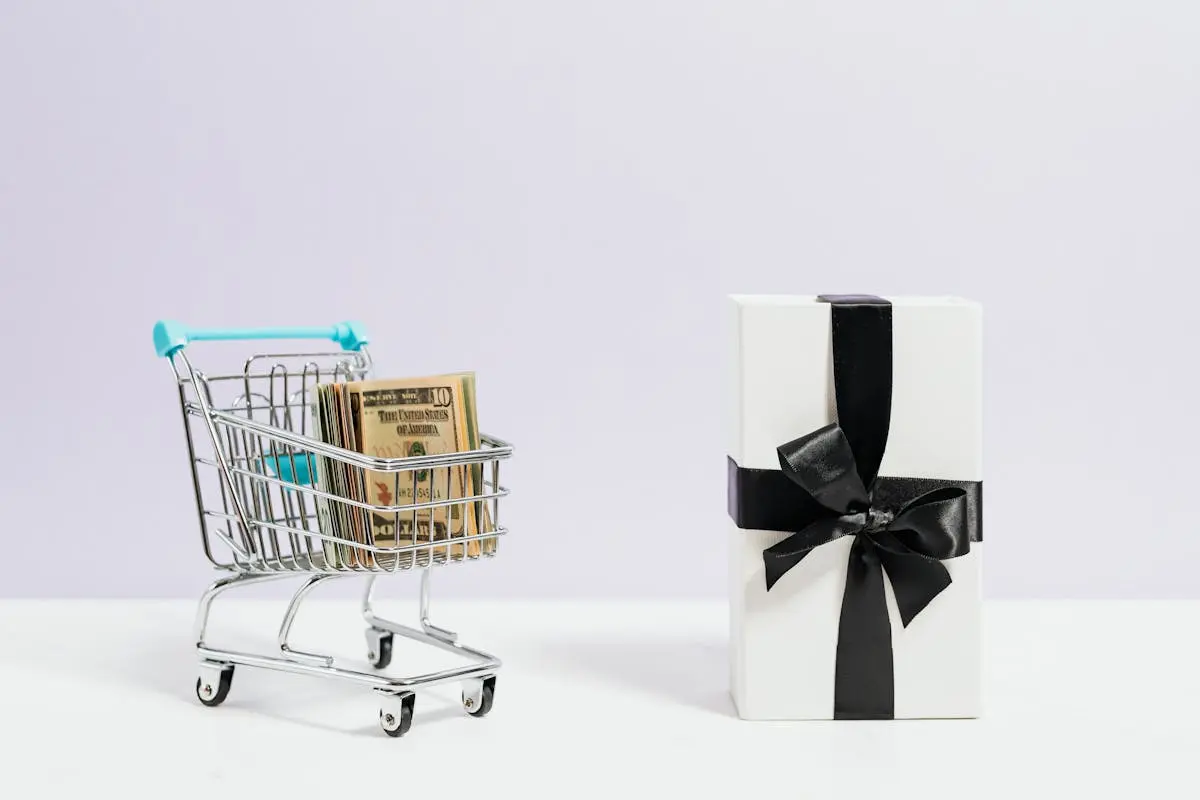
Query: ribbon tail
[[781, 557], [776, 566], [916, 581], [864, 683]]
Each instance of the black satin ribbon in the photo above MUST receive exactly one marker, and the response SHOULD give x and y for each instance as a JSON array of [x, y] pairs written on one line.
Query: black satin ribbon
[[828, 487]]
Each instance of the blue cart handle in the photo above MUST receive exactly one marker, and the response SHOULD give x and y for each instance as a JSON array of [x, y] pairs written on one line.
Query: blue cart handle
[[171, 337]]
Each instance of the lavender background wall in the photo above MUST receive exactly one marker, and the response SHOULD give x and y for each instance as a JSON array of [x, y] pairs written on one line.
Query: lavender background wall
[[592, 179]]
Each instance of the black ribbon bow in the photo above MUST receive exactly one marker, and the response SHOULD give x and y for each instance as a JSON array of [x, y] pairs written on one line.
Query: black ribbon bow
[[902, 526], [907, 544]]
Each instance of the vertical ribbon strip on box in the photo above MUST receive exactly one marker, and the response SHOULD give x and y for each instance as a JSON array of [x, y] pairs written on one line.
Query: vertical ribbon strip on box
[[828, 487]]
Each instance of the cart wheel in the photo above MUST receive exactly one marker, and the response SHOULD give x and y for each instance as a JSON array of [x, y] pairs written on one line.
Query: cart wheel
[[396, 719], [480, 705], [379, 647], [211, 695]]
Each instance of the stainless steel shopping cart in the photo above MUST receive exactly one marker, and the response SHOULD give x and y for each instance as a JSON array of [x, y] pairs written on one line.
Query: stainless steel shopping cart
[[254, 466]]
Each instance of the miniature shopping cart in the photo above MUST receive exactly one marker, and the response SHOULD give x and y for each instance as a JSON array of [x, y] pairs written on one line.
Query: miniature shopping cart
[[255, 466]]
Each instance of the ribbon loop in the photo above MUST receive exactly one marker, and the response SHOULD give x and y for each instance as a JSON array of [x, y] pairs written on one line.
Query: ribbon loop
[[934, 525], [822, 464]]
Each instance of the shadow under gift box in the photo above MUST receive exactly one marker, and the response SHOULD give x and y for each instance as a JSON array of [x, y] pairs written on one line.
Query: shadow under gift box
[[784, 641]]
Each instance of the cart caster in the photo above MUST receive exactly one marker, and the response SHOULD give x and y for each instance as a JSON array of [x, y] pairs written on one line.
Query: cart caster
[[396, 714], [477, 699], [379, 647], [212, 687]]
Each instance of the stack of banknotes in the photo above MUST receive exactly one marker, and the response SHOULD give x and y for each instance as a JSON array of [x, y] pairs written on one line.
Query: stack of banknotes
[[399, 418]]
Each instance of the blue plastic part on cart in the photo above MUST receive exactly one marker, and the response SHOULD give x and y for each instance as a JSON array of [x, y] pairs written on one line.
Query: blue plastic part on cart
[[171, 337], [282, 468]]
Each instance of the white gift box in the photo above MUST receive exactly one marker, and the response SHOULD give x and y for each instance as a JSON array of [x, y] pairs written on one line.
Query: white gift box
[[784, 641]]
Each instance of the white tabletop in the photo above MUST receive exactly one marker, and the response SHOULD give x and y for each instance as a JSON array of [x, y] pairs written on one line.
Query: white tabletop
[[1083, 699]]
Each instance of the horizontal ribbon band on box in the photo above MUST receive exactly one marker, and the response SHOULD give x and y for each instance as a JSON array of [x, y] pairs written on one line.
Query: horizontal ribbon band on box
[[828, 487]]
